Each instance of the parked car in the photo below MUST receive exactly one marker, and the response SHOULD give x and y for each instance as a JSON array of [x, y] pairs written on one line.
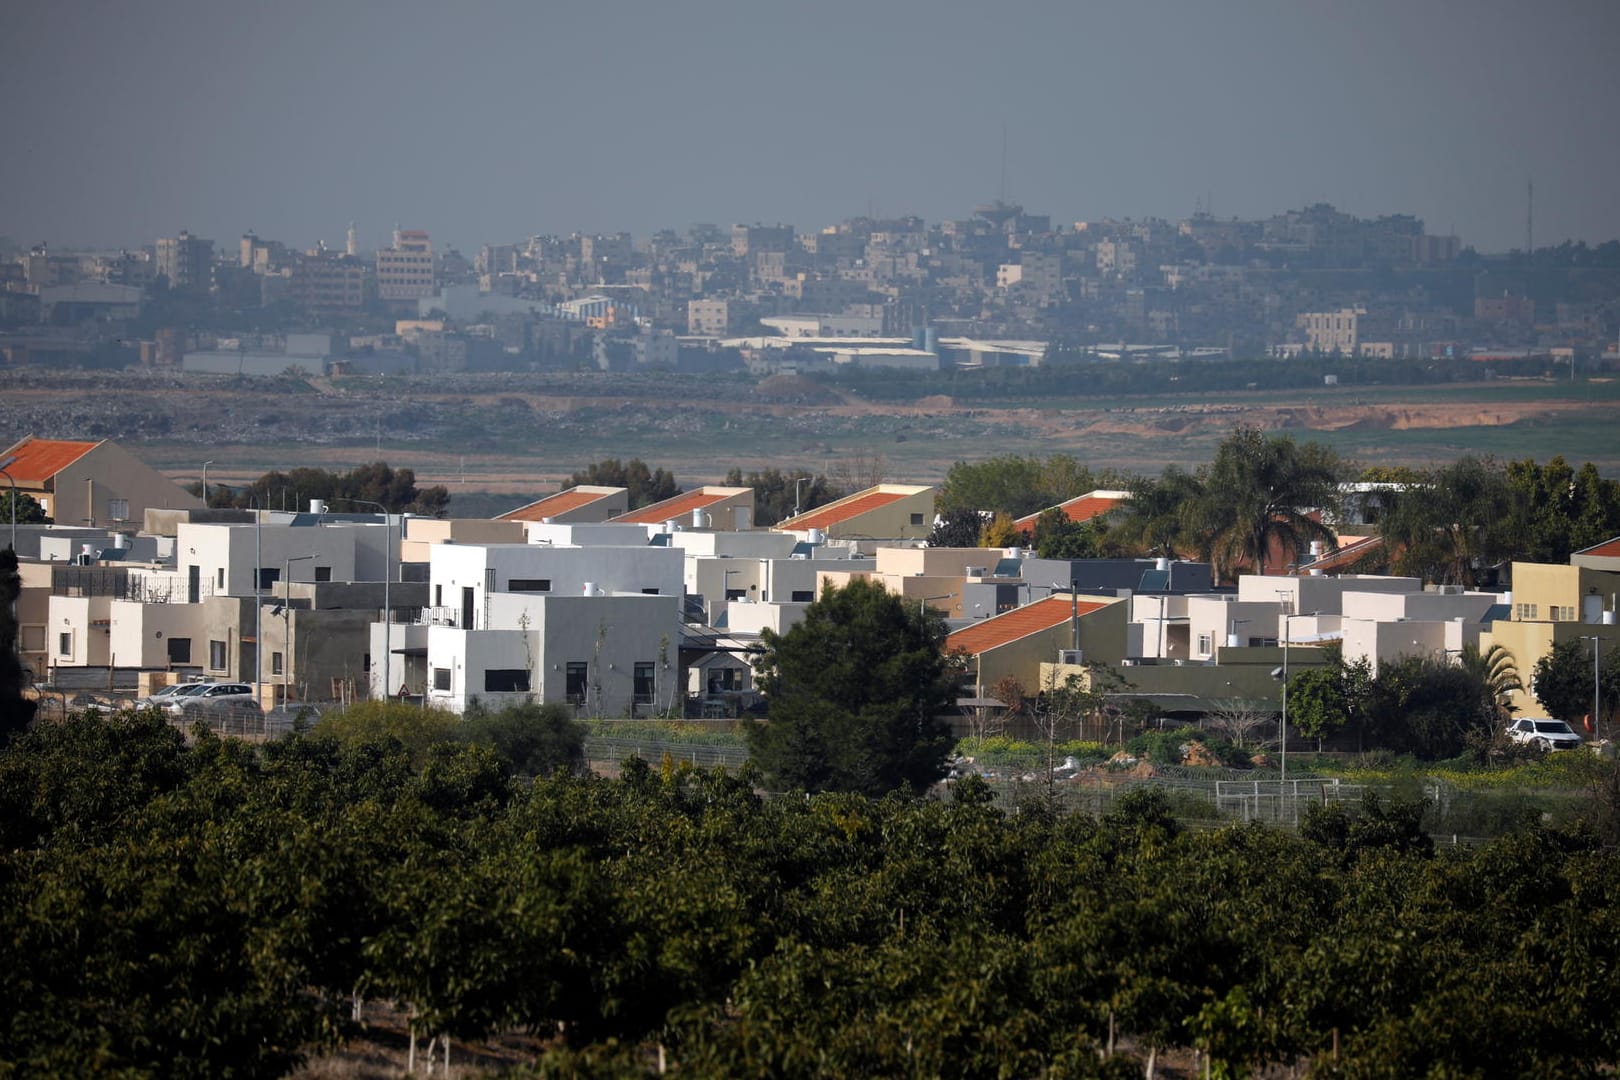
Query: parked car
[[1544, 733], [168, 695], [213, 698]]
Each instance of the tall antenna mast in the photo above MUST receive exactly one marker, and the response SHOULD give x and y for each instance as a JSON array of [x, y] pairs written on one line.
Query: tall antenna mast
[[1003, 195], [1530, 216]]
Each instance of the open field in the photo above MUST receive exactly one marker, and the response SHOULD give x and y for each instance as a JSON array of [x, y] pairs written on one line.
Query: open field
[[524, 433]]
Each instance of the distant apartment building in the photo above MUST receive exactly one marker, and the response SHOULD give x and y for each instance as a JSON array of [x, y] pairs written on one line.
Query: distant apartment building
[[405, 270], [1506, 308], [815, 325], [708, 318], [1333, 331], [186, 261], [328, 283], [750, 239]]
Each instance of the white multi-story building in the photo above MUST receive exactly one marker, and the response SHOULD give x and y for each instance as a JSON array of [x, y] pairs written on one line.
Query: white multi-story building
[[405, 270]]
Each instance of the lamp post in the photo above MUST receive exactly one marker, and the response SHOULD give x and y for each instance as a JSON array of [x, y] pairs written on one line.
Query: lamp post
[[4, 465], [388, 575], [286, 624], [923, 601], [1597, 645], [1074, 610], [205, 484]]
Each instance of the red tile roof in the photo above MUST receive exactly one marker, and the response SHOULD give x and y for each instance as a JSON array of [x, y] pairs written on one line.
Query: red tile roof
[[840, 512], [552, 505], [40, 459], [1084, 508], [1018, 623], [676, 507], [1609, 549]]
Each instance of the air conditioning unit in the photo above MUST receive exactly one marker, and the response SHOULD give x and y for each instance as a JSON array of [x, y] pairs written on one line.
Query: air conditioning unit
[[1071, 656]]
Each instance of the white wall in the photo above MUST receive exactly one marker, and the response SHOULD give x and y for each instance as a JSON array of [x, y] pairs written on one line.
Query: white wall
[[231, 549], [141, 633], [453, 568]]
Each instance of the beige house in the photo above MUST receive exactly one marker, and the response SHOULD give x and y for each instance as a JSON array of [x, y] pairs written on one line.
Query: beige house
[[882, 512], [419, 534], [1553, 604], [1017, 643], [92, 483], [707, 507], [587, 502]]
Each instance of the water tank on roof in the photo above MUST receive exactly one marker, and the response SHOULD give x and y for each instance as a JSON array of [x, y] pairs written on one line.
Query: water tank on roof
[[1161, 563], [700, 519], [815, 537], [589, 589], [317, 506]]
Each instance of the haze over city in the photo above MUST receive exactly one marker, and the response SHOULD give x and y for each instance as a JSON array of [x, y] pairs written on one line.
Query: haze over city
[[491, 121]]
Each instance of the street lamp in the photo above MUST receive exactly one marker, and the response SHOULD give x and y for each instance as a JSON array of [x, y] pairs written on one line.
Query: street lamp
[[286, 624], [388, 574], [1597, 644], [1074, 609], [4, 465], [1287, 622], [923, 601], [205, 483]]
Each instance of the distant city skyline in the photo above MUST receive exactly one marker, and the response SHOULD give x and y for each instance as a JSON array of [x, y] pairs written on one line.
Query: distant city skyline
[[492, 121]]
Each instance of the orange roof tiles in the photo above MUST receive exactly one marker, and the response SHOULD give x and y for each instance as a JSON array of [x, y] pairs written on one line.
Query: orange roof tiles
[[676, 507], [1018, 623], [552, 505], [40, 459], [840, 512], [1084, 508], [1609, 549]]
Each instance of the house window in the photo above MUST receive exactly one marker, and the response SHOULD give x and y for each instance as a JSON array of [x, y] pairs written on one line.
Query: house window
[[916, 519], [179, 650], [644, 684], [441, 678], [438, 596], [649, 592], [118, 509], [219, 579], [1206, 644], [64, 643], [527, 584], [506, 681], [574, 682], [804, 596], [723, 680], [275, 663], [1526, 612], [216, 656], [268, 576], [323, 573]]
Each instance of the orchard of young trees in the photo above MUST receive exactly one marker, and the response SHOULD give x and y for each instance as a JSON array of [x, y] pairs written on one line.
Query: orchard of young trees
[[218, 909]]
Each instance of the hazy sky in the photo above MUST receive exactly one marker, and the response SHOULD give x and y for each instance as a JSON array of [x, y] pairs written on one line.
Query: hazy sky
[[486, 122]]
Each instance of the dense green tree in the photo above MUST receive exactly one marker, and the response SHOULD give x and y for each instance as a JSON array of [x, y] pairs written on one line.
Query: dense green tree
[[415, 728], [957, 528], [1258, 494], [775, 492], [535, 739], [1056, 537], [1019, 485], [377, 482], [1431, 707], [28, 511], [15, 710], [1157, 519], [1556, 510], [1454, 527], [855, 692], [645, 485], [1563, 681]]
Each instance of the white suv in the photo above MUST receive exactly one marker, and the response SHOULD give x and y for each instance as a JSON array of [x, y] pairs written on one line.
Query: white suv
[[212, 698], [1544, 733]]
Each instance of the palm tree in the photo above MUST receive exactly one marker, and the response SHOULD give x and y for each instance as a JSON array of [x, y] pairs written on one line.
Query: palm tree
[[1454, 526], [1155, 519], [1497, 673], [1257, 492]]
